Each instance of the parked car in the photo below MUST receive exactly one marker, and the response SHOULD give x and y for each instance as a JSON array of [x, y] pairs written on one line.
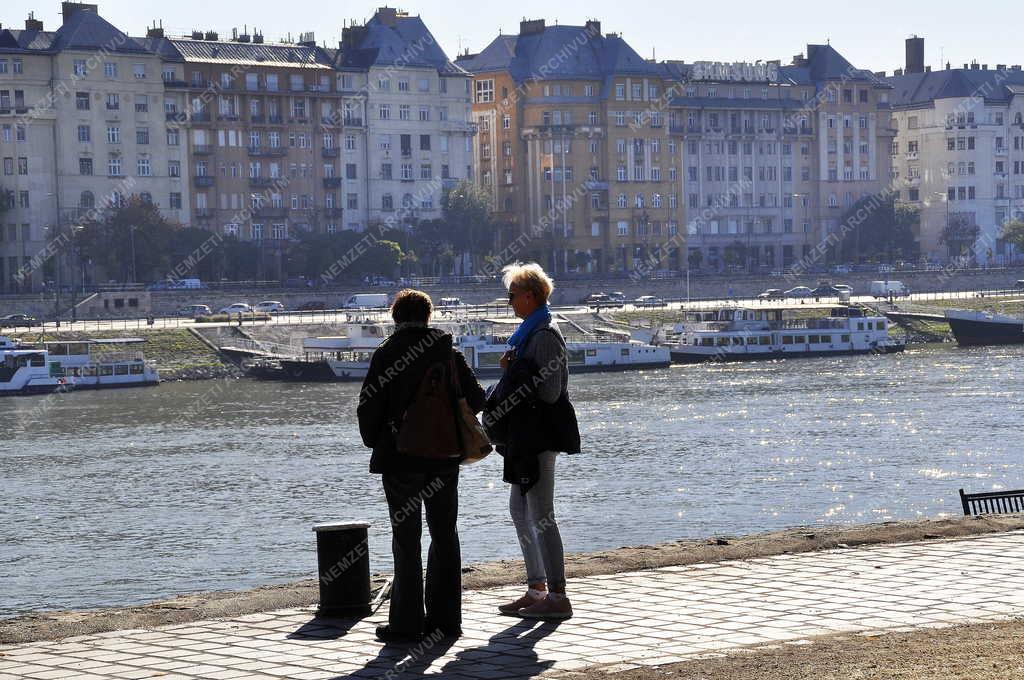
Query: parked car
[[799, 292], [311, 306], [616, 296], [1019, 285], [649, 301], [236, 308], [595, 299], [269, 306], [450, 302], [18, 320], [826, 290], [193, 311], [771, 294]]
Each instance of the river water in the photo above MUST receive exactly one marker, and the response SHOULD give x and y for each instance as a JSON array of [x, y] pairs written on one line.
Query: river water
[[120, 497]]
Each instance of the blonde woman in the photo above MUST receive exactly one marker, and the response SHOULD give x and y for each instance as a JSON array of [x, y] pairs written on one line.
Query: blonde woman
[[539, 426]]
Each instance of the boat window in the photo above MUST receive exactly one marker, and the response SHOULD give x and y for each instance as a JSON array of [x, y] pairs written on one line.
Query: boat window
[[881, 325], [721, 341], [751, 341], [36, 360], [488, 359], [845, 338], [56, 370], [737, 341], [106, 369], [591, 352], [121, 369], [826, 338], [576, 357], [89, 371], [799, 340], [813, 339], [860, 325], [766, 339], [78, 348], [707, 342], [136, 369], [787, 339], [57, 349], [624, 352]]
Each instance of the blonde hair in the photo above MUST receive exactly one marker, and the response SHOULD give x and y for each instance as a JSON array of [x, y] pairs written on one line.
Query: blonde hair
[[529, 277]]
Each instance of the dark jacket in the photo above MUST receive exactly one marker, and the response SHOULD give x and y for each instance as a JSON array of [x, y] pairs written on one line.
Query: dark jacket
[[396, 371], [535, 425]]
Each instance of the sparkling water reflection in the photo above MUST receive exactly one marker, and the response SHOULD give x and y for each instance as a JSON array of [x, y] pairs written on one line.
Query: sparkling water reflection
[[121, 497]]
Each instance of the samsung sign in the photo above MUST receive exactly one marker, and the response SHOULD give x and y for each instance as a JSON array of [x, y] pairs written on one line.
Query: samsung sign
[[740, 72]]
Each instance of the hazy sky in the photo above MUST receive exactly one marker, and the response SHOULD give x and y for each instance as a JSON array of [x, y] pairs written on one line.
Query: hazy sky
[[870, 33]]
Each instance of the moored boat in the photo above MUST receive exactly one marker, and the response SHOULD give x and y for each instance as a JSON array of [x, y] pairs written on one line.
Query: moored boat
[[25, 370], [734, 333], [974, 328]]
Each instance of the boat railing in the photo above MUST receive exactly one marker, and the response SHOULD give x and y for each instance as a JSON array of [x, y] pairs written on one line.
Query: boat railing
[[102, 357], [813, 324]]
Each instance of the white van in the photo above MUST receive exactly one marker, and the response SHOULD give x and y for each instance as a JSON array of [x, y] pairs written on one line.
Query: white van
[[885, 289], [366, 300]]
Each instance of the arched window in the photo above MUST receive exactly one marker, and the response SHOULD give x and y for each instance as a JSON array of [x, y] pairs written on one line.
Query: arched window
[[117, 199], [87, 200]]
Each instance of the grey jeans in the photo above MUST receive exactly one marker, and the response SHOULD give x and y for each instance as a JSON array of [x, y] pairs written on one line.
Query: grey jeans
[[533, 515]]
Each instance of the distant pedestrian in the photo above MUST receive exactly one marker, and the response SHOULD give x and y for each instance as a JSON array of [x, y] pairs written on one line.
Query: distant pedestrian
[[540, 422], [394, 409]]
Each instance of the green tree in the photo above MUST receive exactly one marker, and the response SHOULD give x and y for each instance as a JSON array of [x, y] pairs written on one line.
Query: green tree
[[695, 258], [877, 228], [960, 234], [467, 223], [129, 242], [1013, 233]]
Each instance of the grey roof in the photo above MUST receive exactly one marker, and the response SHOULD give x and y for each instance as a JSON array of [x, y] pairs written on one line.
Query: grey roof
[[560, 53], [406, 43], [27, 41], [921, 89], [251, 54], [87, 30]]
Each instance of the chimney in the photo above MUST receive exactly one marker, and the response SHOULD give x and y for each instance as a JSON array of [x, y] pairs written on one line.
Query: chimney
[[915, 55], [531, 26], [155, 32], [984, 67], [967, 67], [211, 35], [70, 9], [307, 39], [387, 16], [927, 69], [197, 35], [975, 66], [897, 72], [257, 37], [1015, 67], [948, 66], [593, 27], [798, 60], [1000, 67], [352, 36], [33, 24]]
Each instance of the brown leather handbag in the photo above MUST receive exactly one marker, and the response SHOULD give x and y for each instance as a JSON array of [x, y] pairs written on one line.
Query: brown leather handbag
[[473, 440]]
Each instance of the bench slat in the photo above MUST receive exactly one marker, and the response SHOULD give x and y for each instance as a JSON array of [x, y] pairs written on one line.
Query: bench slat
[[992, 502]]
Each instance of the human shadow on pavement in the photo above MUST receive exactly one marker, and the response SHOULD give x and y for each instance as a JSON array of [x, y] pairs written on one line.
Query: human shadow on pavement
[[511, 650], [324, 628], [405, 660]]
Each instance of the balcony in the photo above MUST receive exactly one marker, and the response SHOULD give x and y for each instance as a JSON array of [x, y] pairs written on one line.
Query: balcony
[[203, 180], [275, 151], [676, 129], [232, 117], [175, 117], [332, 212], [449, 182], [257, 119], [202, 149], [329, 121], [175, 83], [1001, 151], [275, 120], [912, 155], [203, 213], [352, 122], [259, 182], [332, 182], [299, 120], [269, 211], [329, 152], [200, 117], [595, 185], [255, 150]]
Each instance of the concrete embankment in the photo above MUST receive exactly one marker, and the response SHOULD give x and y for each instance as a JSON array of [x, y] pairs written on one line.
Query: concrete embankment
[[201, 606]]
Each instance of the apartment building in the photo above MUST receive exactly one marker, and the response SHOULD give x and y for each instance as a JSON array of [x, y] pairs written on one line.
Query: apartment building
[[773, 154], [958, 155], [573, 146], [82, 127], [410, 135]]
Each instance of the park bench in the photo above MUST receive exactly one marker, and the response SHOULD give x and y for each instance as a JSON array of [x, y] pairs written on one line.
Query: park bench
[[992, 502]]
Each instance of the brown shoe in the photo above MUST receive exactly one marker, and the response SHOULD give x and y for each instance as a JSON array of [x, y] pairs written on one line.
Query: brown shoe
[[512, 608], [548, 609]]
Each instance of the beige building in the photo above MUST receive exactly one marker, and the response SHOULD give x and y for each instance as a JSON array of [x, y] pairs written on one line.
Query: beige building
[[573, 146]]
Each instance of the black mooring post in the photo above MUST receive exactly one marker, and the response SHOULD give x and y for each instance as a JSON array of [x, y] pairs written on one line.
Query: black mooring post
[[343, 560]]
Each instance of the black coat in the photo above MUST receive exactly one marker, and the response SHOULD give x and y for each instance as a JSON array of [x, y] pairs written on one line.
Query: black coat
[[396, 371]]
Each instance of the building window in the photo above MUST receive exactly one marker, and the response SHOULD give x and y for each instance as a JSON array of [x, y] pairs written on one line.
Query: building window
[[84, 166], [82, 101], [484, 91]]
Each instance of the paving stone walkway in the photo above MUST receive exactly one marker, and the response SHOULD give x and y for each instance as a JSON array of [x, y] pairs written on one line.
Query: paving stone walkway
[[622, 620]]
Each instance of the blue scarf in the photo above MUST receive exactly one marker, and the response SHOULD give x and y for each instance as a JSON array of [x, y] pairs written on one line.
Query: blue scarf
[[539, 316]]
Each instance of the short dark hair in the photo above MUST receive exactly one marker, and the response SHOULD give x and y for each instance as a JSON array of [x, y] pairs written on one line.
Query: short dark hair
[[411, 305]]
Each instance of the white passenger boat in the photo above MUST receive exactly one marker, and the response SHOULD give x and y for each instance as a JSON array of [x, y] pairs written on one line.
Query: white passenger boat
[[100, 364], [737, 333], [347, 357], [26, 370]]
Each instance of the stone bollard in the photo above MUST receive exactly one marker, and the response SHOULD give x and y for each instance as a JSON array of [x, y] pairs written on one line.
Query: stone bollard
[[343, 560]]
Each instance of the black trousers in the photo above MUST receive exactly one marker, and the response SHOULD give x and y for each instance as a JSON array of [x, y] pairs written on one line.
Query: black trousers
[[407, 493]]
